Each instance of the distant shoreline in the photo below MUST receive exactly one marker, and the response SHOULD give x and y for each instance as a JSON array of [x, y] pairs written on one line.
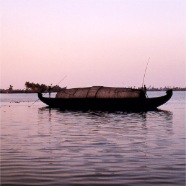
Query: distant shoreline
[[6, 91]]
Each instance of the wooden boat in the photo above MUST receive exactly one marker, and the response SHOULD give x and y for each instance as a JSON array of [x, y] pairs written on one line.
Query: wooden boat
[[105, 98]]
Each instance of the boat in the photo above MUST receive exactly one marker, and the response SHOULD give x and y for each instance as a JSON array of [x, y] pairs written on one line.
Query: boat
[[105, 98]]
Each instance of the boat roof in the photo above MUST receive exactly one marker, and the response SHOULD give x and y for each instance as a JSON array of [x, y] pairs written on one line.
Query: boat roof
[[99, 92]]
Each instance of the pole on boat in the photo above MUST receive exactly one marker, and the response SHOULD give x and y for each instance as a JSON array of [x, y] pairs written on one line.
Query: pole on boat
[[51, 88], [145, 72], [62, 79]]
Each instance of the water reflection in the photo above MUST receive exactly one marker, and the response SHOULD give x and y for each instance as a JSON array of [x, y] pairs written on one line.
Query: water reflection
[[139, 126], [42, 146], [59, 147], [118, 116], [110, 146]]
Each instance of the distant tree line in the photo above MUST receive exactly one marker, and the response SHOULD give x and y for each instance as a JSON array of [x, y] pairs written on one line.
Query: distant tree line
[[36, 87], [151, 88], [33, 88]]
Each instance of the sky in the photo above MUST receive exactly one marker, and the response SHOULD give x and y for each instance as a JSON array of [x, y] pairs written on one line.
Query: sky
[[93, 42]]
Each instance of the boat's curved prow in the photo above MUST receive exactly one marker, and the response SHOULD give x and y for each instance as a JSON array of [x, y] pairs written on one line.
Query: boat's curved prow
[[152, 103], [39, 95], [43, 99], [169, 93]]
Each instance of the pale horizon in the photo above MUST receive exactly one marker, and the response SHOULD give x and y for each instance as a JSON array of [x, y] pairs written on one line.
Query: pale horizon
[[93, 42]]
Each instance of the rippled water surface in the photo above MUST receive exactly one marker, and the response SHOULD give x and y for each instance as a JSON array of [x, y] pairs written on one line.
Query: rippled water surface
[[42, 146]]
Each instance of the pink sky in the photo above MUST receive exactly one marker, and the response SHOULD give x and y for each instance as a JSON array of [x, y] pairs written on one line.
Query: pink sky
[[93, 42]]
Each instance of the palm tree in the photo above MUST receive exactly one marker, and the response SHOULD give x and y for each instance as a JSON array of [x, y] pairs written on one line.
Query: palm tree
[[10, 88]]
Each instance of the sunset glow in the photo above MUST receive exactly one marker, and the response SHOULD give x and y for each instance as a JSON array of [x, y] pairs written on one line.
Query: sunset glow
[[93, 42]]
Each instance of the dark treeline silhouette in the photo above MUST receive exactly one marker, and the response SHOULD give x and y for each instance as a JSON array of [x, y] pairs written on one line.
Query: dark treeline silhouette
[[166, 88], [36, 87], [33, 88]]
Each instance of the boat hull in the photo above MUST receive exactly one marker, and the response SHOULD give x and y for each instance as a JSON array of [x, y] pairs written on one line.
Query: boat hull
[[126, 104]]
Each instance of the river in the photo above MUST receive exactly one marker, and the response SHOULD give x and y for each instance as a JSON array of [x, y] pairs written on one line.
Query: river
[[42, 146]]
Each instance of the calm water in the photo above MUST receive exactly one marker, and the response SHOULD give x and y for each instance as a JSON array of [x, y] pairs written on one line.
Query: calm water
[[40, 146]]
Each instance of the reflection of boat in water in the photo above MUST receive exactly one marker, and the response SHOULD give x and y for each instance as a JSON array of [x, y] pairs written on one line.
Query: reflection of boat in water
[[104, 98], [158, 115]]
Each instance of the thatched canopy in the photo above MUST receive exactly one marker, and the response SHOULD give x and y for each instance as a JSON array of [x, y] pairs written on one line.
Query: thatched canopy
[[100, 92]]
